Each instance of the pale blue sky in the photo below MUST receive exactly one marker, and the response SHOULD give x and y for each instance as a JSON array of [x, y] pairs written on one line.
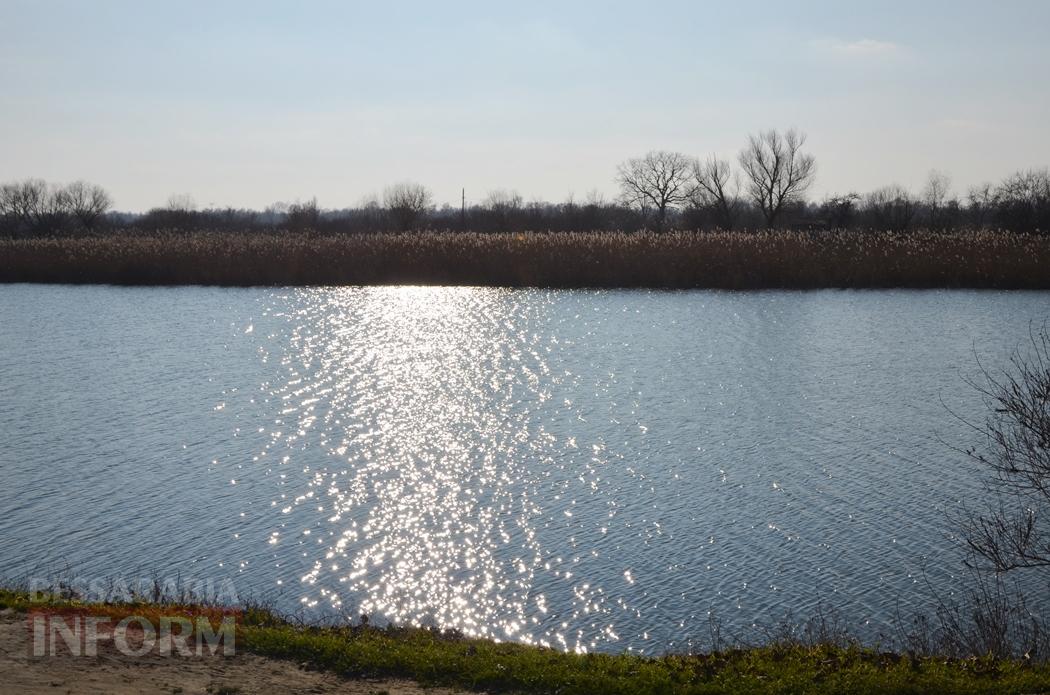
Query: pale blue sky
[[246, 103]]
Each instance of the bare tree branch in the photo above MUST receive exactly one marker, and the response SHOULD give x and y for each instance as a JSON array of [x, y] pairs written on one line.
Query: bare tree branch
[[1013, 532]]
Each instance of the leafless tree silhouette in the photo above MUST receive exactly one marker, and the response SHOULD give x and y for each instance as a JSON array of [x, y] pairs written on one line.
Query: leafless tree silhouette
[[407, 203], [982, 200], [839, 210], [940, 208], [502, 210], [303, 216], [87, 202], [659, 181], [181, 202], [20, 201], [713, 187], [35, 205], [1023, 201], [777, 173], [891, 208], [502, 201], [938, 184]]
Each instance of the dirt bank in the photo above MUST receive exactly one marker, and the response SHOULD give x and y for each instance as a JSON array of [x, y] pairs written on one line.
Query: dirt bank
[[113, 672]]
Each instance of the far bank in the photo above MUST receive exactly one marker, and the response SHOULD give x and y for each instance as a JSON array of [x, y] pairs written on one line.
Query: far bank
[[672, 260]]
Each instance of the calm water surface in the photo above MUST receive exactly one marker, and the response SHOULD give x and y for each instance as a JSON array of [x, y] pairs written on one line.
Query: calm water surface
[[589, 470]]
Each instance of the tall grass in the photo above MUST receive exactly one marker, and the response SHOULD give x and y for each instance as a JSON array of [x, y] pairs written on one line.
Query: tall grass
[[731, 260]]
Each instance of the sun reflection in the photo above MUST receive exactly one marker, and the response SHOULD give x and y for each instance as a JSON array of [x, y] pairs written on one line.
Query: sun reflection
[[417, 454]]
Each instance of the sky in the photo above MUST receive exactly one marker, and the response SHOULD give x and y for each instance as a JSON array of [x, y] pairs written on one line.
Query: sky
[[245, 104]]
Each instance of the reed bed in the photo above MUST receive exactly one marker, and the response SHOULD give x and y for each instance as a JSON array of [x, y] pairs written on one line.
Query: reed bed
[[681, 259]]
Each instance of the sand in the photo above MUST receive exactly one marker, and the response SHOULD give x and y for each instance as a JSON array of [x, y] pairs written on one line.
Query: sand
[[113, 672]]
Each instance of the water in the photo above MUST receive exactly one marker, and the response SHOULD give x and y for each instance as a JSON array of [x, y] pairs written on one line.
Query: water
[[590, 470]]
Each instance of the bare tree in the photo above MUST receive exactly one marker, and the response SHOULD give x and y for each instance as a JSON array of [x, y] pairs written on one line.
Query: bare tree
[[1023, 201], [503, 201], [714, 187], [983, 200], [408, 204], [838, 210], [11, 208], [11, 216], [502, 210], [87, 202], [891, 207], [303, 216], [181, 202], [1014, 531], [371, 213], [275, 213], [36, 205], [25, 201], [659, 181], [1031, 186], [935, 196], [777, 173], [938, 184]]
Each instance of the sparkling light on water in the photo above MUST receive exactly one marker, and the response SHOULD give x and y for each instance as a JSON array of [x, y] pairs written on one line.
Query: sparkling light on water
[[464, 460], [588, 470], [429, 455]]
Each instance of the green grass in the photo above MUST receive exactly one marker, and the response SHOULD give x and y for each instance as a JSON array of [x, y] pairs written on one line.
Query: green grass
[[434, 658], [731, 260]]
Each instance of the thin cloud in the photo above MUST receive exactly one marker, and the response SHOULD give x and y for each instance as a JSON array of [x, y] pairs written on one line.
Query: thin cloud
[[860, 48]]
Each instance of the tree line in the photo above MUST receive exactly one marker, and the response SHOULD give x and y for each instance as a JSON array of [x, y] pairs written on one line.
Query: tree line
[[662, 190]]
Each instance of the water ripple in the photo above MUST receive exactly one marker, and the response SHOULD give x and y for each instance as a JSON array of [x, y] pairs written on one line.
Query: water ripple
[[586, 470]]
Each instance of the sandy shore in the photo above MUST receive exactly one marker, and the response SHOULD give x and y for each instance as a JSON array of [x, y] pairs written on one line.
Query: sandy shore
[[112, 672]]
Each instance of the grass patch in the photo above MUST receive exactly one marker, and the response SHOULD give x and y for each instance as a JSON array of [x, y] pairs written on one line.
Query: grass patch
[[729, 260], [435, 658]]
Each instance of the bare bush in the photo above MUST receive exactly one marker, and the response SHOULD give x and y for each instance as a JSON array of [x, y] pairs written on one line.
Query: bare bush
[[991, 617]]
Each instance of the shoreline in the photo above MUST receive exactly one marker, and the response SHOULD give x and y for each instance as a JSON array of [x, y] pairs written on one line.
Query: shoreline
[[274, 654]]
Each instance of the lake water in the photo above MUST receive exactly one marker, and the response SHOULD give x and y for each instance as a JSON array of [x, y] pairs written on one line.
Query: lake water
[[586, 469]]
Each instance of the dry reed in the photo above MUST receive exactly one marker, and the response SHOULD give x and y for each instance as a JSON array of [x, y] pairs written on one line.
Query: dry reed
[[731, 260]]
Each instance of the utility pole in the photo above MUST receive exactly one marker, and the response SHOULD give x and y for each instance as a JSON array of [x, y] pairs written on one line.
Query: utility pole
[[463, 209]]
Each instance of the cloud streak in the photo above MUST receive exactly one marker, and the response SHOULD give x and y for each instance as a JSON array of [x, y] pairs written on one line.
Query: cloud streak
[[874, 49]]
